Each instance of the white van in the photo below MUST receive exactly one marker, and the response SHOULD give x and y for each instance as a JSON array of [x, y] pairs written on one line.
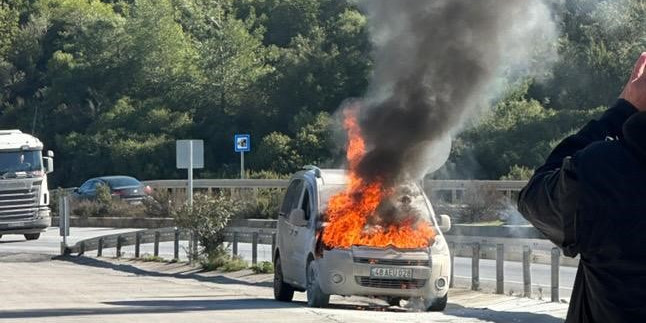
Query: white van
[[302, 263]]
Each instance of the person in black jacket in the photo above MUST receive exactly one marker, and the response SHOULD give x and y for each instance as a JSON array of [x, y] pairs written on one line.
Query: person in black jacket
[[590, 199]]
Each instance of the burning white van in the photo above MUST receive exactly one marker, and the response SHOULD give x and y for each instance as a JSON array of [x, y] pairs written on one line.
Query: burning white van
[[385, 259]]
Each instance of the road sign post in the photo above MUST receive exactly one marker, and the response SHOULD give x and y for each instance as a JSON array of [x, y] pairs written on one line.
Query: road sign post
[[241, 144], [189, 155]]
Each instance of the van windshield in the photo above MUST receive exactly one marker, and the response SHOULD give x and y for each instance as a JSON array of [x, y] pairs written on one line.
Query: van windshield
[[20, 161], [408, 200]]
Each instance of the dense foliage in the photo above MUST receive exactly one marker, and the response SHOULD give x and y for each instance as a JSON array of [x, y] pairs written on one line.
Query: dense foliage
[[109, 85]]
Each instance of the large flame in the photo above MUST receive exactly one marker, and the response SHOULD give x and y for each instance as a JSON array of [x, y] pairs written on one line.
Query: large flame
[[348, 212]]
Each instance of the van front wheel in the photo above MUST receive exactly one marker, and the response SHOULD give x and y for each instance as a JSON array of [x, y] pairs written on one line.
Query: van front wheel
[[315, 296], [438, 304]]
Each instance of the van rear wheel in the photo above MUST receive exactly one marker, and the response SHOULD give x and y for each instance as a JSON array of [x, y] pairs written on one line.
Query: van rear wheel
[[282, 291], [315, 296], [32, 236]]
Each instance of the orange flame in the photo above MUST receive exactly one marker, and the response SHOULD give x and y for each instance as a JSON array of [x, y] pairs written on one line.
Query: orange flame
[[348, 211]]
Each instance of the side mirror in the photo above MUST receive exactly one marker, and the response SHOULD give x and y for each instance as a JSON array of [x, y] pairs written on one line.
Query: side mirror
[[297, 218], [444, 223], [49, 164]]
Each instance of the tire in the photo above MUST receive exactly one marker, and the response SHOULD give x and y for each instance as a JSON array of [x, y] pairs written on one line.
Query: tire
[[282, 291], [32, 236], [393, 301], [315, 296], [438, 304], [0, 236]]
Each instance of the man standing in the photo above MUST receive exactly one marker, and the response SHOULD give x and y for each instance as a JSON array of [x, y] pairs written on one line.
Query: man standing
[[590, 199]]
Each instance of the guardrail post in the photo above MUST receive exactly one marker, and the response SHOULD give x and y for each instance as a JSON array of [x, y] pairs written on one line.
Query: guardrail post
[[273, 244], [254, 248], [527, 275], [235, 243], [118, 246], [556, 262], [156, 245], [99, 248], [452, 253], [137, 244], [500, 273], [195, 245], [475, 267], [176, 245]]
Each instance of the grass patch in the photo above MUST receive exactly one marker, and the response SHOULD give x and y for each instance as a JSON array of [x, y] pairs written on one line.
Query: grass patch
[[264, 267], [224, 262], [151, 258]]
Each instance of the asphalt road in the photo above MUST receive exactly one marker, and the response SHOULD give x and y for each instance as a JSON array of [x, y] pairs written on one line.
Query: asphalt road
[[86, 289], [49, 243]]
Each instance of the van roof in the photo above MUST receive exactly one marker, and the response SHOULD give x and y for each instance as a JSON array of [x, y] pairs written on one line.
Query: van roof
[[334, 176]]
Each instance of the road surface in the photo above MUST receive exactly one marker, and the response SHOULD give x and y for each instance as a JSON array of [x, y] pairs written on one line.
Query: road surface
[[86, 289], [49, 243]]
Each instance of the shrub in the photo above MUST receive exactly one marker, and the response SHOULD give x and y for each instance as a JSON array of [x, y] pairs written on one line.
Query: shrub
[[220, 259], [207, 218], [481, 203], [264, 267]]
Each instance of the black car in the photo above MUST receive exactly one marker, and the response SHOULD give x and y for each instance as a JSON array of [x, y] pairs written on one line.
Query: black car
[[125, 187]]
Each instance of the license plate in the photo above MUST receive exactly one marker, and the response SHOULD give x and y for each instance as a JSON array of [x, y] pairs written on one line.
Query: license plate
[[14, 225], [388, 272]]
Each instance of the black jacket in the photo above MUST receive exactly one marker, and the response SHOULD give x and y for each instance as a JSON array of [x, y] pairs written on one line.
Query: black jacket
[[590, 199]]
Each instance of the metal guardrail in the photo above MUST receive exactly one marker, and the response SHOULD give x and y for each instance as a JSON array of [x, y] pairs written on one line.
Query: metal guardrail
[[454, 188], [267, 236]]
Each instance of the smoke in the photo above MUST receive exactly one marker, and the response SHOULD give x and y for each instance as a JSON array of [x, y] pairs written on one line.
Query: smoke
[[437, 64]]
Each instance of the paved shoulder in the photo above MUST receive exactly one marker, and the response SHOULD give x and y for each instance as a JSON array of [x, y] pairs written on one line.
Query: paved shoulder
[[107, 290]]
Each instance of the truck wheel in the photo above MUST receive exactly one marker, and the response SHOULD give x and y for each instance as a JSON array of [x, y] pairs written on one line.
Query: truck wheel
[[32, 236], [315, 296], [438, 304], [282, 291]]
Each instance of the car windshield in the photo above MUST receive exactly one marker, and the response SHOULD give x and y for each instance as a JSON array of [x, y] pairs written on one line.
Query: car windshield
[[20, 161], [122, 181], [408, 200]]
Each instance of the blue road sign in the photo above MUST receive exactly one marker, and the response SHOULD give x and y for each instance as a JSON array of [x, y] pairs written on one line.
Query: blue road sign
[[242, 143]]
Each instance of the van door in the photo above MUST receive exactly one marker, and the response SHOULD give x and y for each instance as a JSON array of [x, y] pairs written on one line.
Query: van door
[[303, 237], [285, 229]]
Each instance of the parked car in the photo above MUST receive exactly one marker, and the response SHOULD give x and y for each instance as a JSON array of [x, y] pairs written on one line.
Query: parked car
[[126, 188], [420, 275]]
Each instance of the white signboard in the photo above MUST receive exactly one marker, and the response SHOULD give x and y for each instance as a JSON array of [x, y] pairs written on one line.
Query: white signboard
[[183, 155]]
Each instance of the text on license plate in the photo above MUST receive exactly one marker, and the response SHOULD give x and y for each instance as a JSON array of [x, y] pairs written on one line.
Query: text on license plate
[[391, 272]]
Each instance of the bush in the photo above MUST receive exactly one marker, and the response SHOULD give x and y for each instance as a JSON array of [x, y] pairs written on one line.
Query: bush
[[220, 259], [263, 205], [207, 217], [161, 203], [481, 203], [518, 173], [264, 267], [116, 207]]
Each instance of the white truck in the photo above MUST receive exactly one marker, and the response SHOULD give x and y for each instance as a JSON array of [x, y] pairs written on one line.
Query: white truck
[[24, 197]]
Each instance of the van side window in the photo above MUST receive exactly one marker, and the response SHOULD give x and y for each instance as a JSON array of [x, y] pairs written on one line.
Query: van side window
[[305, 206], [292, 197]]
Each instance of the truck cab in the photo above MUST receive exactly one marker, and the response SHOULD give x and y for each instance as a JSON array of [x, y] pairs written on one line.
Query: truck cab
[[24, 195]]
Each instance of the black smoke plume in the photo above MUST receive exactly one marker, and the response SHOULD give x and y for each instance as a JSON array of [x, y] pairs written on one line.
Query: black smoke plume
[[437, 63]]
